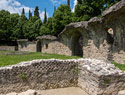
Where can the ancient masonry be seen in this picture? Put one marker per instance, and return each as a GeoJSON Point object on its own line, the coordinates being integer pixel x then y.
{"type": "Point", "coordinates": [96, 77]}
{"type": "Point", "coordinates": [90, 39]}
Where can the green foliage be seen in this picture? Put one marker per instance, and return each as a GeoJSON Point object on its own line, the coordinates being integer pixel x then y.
{"type": "Point", "coordinates": [45, 17]}
{"type": "Point", "coordinates": [30, 15]}
{"type": "Point", "coordinates": [14, 26]}
{"type": "Point", "coordinates": [85, 9]}
{"type": "Point", "coordinates": [23, 11]}
{"type": "Point", "coordinates": [36, 12]}
{"type": "Point", "coordinates": [23, 76]}
{"type": "Point", "coordinates": [61, 18]}
{"type": "Point", "coordinates": [32, 28]}
{"type": "Point", "coordinates": [120, 66]}
{"type": "Point", "coordinates": [44, 30]}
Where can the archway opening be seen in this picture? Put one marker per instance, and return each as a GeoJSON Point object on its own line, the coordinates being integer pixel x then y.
{"type": "Point", "coordinates": [39, 46]}
{"type": "Point", "coordinates": [77, 44]}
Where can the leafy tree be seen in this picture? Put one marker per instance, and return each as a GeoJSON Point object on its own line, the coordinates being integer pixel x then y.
{"type": "Point", "coordinates": [19, 32]}
{"type": "Point", "coordinates": [85, 9]}
{"type": "Point", "coordinates": [4, 25]}
{"type": "Point", "coordinates": [61, 18]}
{"type": "Point", "coordinates": [44, 30]}
{"type": "Point", "coordinates": [45, 17]}
{"type": "Point", "coordinates": [32, 28]}
{"type": "Point", "coordinates": [36, 12]}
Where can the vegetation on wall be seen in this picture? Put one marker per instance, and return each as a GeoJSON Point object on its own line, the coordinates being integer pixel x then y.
{"type": "Point", "coordinates": [15, 26]}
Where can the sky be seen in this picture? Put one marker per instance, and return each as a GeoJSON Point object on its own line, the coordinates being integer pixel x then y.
{"type": "Point", "coordinates": [15, 6]}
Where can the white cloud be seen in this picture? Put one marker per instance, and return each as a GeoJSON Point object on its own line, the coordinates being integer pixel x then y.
{"type": "Point", "coordinates": [56, 2]}
{"type": "Point", "coordinates": [13, 6]}
{"type": "Point", "coordinates": [42, 15]}
{"type": "Point", "coordinates": [75, 3]}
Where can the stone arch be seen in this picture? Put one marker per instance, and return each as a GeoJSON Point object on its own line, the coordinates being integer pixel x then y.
{"type": "Point", "coordinates": [77, 44]}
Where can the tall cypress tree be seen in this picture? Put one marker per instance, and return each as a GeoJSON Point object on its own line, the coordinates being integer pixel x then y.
{"type": "Point", "coordinates": [36, 12]}
{"type": "Point", "coordinates": [45, 16]}
{"type": "Point", "coordinates": [68, 3]}
{"type": "Point", "coordinates": [54, 10]}
{"type": "Point", "coordinates": [30, 14]}
{"type": "Point", "coordinates": [23, 11]}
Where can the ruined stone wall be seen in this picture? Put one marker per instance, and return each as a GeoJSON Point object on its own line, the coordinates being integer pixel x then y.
{"type": "Point", "coordinates": [97, 42]}
{"type": "Point", "coordinates": [27, 46]}
{"type": "Point", "coordinates": [39, 74]}
{"type": "Point", "coordinates": [8, 48]}
{"type": "Point", "coordinates": [55, 47]}
{"type": "Point", "coordinates": [96, 77]}
{"type": "Point", "coordinates": [100, 78]}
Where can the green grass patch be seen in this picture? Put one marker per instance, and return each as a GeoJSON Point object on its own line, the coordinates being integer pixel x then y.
{"type": "Point", "coordinates": [6, 58]}
{"type": "Point", "coordinates": [120, 66]}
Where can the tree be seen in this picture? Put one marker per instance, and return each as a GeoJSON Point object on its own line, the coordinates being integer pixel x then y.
{"type": "Point", "coordinates": [61, 18]}
{"type": "Point", "coordinates": [86, 9]}
{"type": "Point", "coordinates": [36, 12]}
{"type": "Point", "coordinates": [68, 3]}
{"type": "Point", "coordinates": [45, 17]}
{"type": "Point", "coordinates": [30, 15]}
{"type": "Point", "coordinates": [23, 11]}
{"type": "Point", "coordinates": [44, 30]}
{"type": "Point", "coordinates": [32, 28]}
{"type": "Point", "coordinates": [19, 30]}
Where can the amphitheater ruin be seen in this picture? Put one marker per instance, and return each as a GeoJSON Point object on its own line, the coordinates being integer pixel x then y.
{"type": "Point", "coordinates": [99, 41]}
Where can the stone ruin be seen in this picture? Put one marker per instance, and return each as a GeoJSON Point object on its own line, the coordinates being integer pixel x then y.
{"type": "Point", "coordinates": [90, 39]}
{"type": "Point", "coordinates": [96, 77]}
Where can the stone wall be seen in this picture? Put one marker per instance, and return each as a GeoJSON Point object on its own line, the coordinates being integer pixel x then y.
{"type": "Point", "coordinates": [100, 78]}
{"type": "Point", "coordinates": [8, 48]}
{"type": "Point", "coordinates": [38, 74]}
{"type": "Point", "coordinates": [27, 46]}
{"type": "Point", "coordinates": [96, 41]}
{"type": "Point", "coordinates": [96, 77]}
{"type": "Point", "coordinates": [55, 47]}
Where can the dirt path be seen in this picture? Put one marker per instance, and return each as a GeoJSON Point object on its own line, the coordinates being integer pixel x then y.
{"type": "Point", "coordinates": [63, 91]}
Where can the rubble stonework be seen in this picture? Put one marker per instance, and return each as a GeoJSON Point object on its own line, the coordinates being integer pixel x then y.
{"type": "Point", "coordinates": [96, 77]}
{"type": "Point", "coordinates": [100, 78]}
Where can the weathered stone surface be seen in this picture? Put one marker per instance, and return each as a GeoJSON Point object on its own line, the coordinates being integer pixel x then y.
{"type": "Point", "coordinates": [100, 78]}
{"type": "Point", "coordinates": [121, 92]}
{"type": "Point", "coordinates": [29, 92]}
{"type": "Point", "coordinates": [38, 74]}
{"type": "Point", "coordinates": [96, 41]}
{"type": "Point", "coordinates": [13, 93]}
{"type": "Point", "coordinates": [96, 77]}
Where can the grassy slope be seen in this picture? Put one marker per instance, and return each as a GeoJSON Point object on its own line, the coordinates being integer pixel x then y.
{"type": "Point", "coordinates": [14, 59]}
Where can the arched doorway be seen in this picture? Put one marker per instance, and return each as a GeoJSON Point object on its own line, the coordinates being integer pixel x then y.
{"type": "Point", "coordinates": [39, 46]}
{"type": "Point", "coordinates": [77, 44]}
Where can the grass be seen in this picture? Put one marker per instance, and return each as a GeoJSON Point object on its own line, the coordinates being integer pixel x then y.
{"type": "Point", "coordinates": [6, 59]}
{"type": "Point", "coordinates": [120, 66]}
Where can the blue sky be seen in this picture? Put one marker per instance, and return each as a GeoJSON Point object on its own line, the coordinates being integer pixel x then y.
{"type": "Point", "coordinates": [15, 6]}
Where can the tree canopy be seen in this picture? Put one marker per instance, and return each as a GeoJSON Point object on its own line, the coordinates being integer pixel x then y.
{"type": "Point", "coordinates": [15, 26]}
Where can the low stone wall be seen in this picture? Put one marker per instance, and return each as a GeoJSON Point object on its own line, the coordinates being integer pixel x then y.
{"type": "Point", "coordinates": [8, 48]}
{"type": "Point", "coordinates": [39, 74]}
{"type": "Point", "coordinates": [96, 77]}
{"type": "Point", "coordinates": [100, 78]}
{"type": "Point", "coordinates": [55, 47]}
{"type": "Point", "coordinates": [27, 46]}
